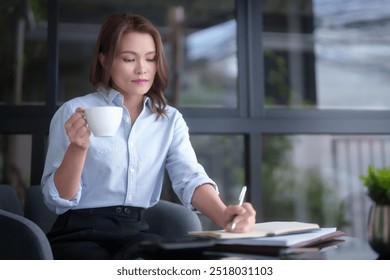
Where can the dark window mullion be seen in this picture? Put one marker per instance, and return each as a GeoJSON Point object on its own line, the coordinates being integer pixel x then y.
{"type": "Point", "coordinates": [37, 158]}
{"type": "Point", "coordinates": [242, 59]}
{"type": "Point", "coordinates": [52, 57]}
{"type": "Point", "coordinates": [39, 138]}
{"type": "Point", "coordinates": [254, 60]}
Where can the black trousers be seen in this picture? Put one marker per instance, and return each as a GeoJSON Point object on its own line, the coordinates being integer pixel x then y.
{"type": "Point", "coordinates": [100, 234]}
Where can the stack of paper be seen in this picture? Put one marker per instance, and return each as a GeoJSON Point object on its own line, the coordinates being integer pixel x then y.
{"type": "Point", "coordinates": [272, 237]}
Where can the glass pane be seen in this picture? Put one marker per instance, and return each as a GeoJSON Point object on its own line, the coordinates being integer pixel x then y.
{"type": "Point", "coordinates": [199, 38]}
{"type": "Point", "coordinates": [316, 178]}
{"type": "Point", "coordinates": [222, 157]}
{"type": "Point", "coordinates": [327, 54]}
{"type": "Point", "coordinates": [23, 28]}
{"type": "Point", "coordinates": [15, 162]}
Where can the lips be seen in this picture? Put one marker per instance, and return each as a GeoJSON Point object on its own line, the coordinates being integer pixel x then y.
{"type": "Point", "coordinates": [140, 81]}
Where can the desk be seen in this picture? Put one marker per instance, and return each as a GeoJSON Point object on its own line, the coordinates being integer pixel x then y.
{"type": "Point", "coordinates": [348, 249]}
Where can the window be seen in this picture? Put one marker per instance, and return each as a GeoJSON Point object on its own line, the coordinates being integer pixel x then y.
{"type": "Point", "coordinates": [199, 38]}
{"type": "Point", "coordinates": [326, 54]}
{"type": "Point", "coordinates": [316, 178]}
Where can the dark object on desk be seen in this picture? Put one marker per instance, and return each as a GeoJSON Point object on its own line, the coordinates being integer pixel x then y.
{"type": "Point", "coordinates": [190, 248]}
{"type": "Point", "coordinates": [343, 248]}
{"type": "Point", "coordinates": [379, 230]}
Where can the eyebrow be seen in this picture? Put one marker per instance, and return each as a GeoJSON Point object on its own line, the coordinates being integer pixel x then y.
{"type": "Point", "coordinates": [131, 52]}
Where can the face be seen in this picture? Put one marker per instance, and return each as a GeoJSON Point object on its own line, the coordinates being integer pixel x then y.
{"type": "Point", "coordinates": [135, 66]}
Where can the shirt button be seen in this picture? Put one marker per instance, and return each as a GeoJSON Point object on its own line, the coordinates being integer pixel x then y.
{"type": "Point", "coordinates": [129, 197]}
{"type": "Point", "coordinates": [132, 170]}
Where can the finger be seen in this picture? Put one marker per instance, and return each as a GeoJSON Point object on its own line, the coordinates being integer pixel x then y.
{"type": "Point", "coordinates": [243, 219]}
{"type": "Point", "coordinates": [80, 109]}
{"type": "Point", "coordinates": [79, 121]}
{"type": "Point", "coordinates": [76, 121]}
{"type": "Point", "coordinates": [249, 218]}
{"type": "Point", "coordinates": [82, 130]}
{"type": "Point", "coordinates": [235, 219]}
{"type": "Point", "coordinates": [77, 130]}
{"type": "Point", "coordinates": [80, 137]}
{"type": "Point", "coordinates": [72, 119]}
{"type": "Point", "coordinates": [80, 113]}
{"type": "Point", "coordinates": [249, 209]}
{"type": "Point", "coordinates": [235, 226]}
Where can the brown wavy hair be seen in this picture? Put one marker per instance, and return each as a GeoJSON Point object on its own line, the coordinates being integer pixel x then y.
{"type": "Point", "coordinates": [112, 30]}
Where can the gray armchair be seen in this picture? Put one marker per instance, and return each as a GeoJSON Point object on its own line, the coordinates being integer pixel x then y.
{"type": "Point", "coordinates": [21, 239]}
{"type": "Point", "coordinates": [166, 218]}
{"type": "Point", "coordinates": [9, 200]}
{"type": "Point", "coordinates": [171, 220]}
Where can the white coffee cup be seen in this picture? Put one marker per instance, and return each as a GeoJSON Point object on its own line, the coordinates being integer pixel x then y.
{"type": "Point", "coordinates": [104, 120]}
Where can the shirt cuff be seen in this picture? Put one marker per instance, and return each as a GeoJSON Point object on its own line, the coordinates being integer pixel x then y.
{"type": "Point", "coordinates": [189, 191]}
{"type": "Point", "coordinates": [53, 200]}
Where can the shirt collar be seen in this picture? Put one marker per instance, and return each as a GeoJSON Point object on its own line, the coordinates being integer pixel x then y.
{"type": "Point", "coordinates": [113, 96]}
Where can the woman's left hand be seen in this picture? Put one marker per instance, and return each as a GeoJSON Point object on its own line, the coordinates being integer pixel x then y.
{"type": "Point", "coordinates": [240, 218]}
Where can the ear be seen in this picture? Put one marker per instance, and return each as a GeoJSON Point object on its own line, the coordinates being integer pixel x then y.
{"type": "Point", "coordinates": [101, 59]}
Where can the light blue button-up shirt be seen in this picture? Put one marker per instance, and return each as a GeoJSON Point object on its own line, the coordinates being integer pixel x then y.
{"type": "Point", "coordinates": [128, 168]}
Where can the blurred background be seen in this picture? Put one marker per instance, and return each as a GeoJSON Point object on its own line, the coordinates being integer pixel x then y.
{"type": "Point", "coordinates": [288, 97]}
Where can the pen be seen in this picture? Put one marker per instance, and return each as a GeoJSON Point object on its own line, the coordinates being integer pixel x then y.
{"type": "Point", "coordinates": [240, 202]}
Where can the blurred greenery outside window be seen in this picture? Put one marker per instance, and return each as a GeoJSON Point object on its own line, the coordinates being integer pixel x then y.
{"type": "Point", "coordinates": [23, 39]}
{"type": "Point", "coordinates": [222, 157]}
{"type": "Point", "coordinates": [315, 178]}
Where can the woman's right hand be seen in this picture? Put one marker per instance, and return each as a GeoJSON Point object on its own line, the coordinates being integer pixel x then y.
{"type": "Point", "coordinates": [77, 129]}
{"type": "Point", "coordinates": [68, 175]}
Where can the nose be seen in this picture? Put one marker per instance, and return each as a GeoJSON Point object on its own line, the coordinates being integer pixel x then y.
{"type": "Point", "coordinates": [140, 69]}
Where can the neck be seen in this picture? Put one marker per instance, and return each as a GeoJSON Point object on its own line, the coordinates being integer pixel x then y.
{"type": "Point", "coordinates": [134, 108]}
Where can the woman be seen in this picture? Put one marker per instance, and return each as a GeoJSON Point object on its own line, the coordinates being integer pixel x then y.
{"type": "Point", "coordinates": [87, 179]}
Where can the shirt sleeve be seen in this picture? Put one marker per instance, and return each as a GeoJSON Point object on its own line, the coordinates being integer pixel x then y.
{"type": "Point", "coordinates": [184, 170]}
{"type": "Point", "coordinates": [58, 143]}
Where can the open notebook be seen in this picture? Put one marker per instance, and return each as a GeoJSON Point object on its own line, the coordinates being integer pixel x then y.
{"type": "Point", "coordinates": [261, 230]}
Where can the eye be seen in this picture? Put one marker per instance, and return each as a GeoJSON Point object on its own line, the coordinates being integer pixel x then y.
{"type": "Point", "coordinates": [128, 59]}
{"type": "Point", "coordinates": [151, 59]}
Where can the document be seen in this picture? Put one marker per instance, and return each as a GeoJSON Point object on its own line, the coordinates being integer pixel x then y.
{"type": "Point", "coordinates": [261, 230]}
